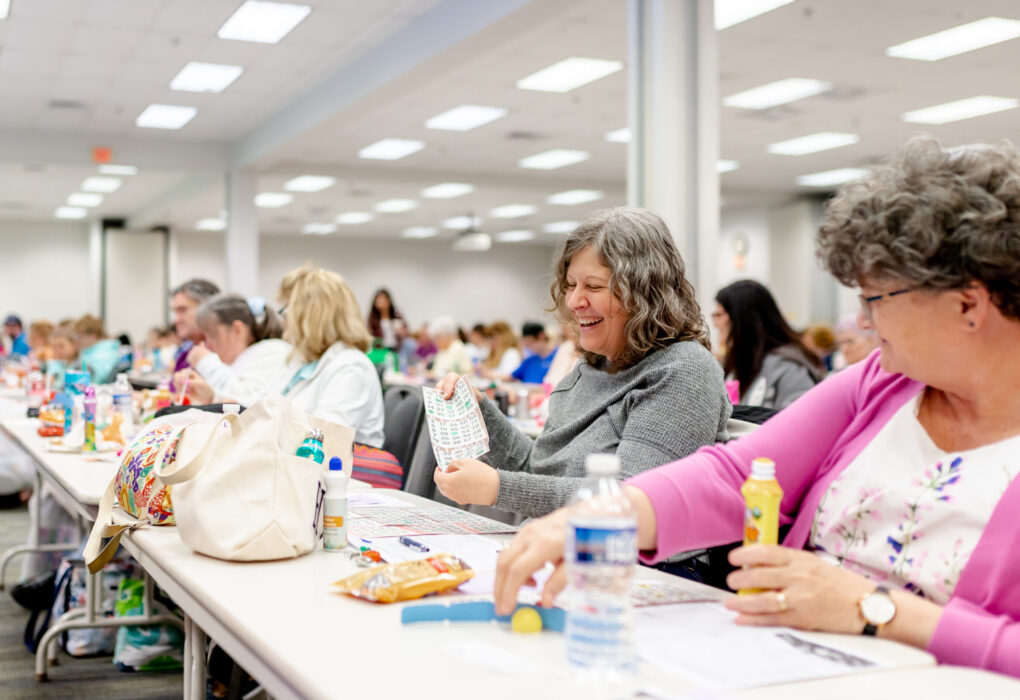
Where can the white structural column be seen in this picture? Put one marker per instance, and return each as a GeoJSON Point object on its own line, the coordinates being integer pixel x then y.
{"type": "Point", "coordinates": [674, 122]}
{"type": "Point", "coordinates": [242, 239]}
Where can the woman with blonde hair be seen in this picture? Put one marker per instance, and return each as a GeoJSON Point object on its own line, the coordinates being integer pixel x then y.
{"type": "Point", "coordinates": [504, 355]}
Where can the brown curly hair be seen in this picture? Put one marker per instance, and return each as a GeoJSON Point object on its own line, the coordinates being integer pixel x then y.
{"type": "Point", "coordinates": [934, 218]}
{"type": "Point", "coordinates": [647, 275]}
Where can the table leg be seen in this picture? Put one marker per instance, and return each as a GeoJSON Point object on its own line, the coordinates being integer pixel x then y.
{"type": "Point", "coordinates": [198, 645]}
{"type": "Point", "coordinates": [186, 654]}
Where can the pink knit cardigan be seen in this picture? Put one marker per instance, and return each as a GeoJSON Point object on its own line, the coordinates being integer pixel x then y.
{"type": "Point", "coordinates": [698, 504]}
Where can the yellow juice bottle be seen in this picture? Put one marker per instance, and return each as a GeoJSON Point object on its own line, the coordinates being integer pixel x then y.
{"type": "Point", "coordinates": [762, 496]}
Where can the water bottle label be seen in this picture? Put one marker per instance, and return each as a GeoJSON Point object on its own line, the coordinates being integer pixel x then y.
{"type": "Point", "coordinates": [605, 545]}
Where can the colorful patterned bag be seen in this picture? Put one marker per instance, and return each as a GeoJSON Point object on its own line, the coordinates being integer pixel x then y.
{"type": "Point", "coordinates": [139, 491]}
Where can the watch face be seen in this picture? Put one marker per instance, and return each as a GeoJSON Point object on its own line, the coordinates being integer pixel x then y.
{"type": "Point", "coordinates": [878, 608]}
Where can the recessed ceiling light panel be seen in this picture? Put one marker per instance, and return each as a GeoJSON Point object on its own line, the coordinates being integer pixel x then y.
{"type": "Point", "coordinates": [157, 116]}
{"type": "Point", "coordinates": [465, 118]}
{"type": "Point", "coordinates": [106, 185]}
{"type": "Point", "coordinates": [205, 77]}
{"type": "Point", "coordinates": [812, 143]}
{"type": "Point", "coordinates": [211, 224]}
{"type": "Point", "coordinates": [309, 183]}
{"type": "Point", "coordinates": [569, 74]}
{"type": "Point", "coordinates": [730, 12]}
{"type": "Point", "coordinates": [551, 160]}
{"type": "Point", "coordinates": [420, 232]}
{"type": "Point", "coordinates": [391, 149]}
{"type": "Point", "coordinates": [70, 213]}
{"type": "Point", "coordinates": [108, 169]}
{"type": "Point", "coordinates": [777, 93]}
{"type": "Point", "coordinates": [960, 109]}
{"type": "Point", "coordinates": [515, 236]}
{"type": "Point", "coordinates": [726, 166]}
{"type": "Point", "coordinates": [262, 21]}
{"type": "Point", "coordinates": [85, 199]}
{"type": "Point", "coordinates": [961, 39]}
{"type": "Point", "coordinates": [318, 229]}
{"type": "Point", "coordinates": [561, 226]}
{"type": "Point", "coordinates": [572, 197]}
{"type": "Point", "coordinates": [355, 217]}
{"type": "Point", "coordinates": [512, 211]}
{"type": "Point", "coordinates": [272, 200]}
{"type": "Point", "coordinates": [831, 178]}
{"type": "Point", "coordinates": [618, 135]}
{"type": "Point", "coordinates": [462, 222]}
{"type": "Point", "coordinates": [447, 190]}
{"type": "Point", "coordinates": [395, 206]}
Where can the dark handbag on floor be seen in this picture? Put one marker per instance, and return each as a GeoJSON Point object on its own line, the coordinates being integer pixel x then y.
{"type": "Point", "coordinates": [35, 593]}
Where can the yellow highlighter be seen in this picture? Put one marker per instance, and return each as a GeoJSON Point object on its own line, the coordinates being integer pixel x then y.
{"type": "Point", "coordinates": [762, 496]}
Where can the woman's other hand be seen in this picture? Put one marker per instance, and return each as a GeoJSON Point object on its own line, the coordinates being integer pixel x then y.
{"type": "Point", "coordinates": [468, 481]}
{"type": "Point", "coordinates": [540, 541]}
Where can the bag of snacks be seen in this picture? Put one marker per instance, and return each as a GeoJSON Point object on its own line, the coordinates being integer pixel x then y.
{"type": "Point", "coordinates": [407, 580]}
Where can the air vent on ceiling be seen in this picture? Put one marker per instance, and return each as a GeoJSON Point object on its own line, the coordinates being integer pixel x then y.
{"type": "Point", "coordinates": [522, 136]}
{"type": "Point", "coordinates": [66, 104]}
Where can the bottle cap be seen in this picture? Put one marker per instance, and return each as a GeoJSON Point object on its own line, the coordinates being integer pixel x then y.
{"type": "Point", "coordinates": [602, 465]}
{"type": "Point", "coordinates": [122, 377]}
{"type": "Point", "coordinates": [336, 464]}
{"type": "Point", "coordinates": [763, 469]}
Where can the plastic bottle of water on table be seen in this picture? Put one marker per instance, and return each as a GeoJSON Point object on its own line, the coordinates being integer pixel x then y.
{"type": "Point", "coordinates": [601, 558]}
{"type": "Point", "coordinates": [123, 404]}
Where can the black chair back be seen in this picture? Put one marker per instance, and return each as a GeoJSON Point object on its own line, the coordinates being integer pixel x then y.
{"type": "Point", "coordinates": [418, 473]}
{"type": "Point", "coordinates": [404, 412]}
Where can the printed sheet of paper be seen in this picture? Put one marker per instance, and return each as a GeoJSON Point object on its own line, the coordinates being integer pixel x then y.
{"type": "Point", "coordinates": [382, 521]}
{"type": "Point", "coordinates": [701, 641]}
{"type": "Point", "coordinates": [375, 498]}
{"type": "Point", "coordinates": [476, 551]}
{"type": "Point", "coordinates": [456, 426]}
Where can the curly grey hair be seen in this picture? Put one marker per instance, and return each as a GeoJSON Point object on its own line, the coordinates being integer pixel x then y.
{"type": "Point", "coordinates": [934, 218]}
{"type": "Point", "coordinates": [646, 275]}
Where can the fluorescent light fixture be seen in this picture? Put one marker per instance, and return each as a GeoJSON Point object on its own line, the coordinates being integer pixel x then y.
{"type": "Point", "coordinates": [271, 200]}
{"type": "Point", "coordinates": [556, 158]}
{"type": "Point", "coordinates": [85, 199]}
{"type": "Point", "coordinates": [211, 224]}
{"type": "Point", "coordinates": [5, 7]}
{"type": "Point", "coordinates": [309, 183]}
{"type": "Point", "coordinates": [561, 226]}
{"type": "Point", "coordinates": [830, 178]}
{"type": "Point", "coordinates": [108, 169]}
{"type": "Point", "coordinates": [952, 42]}
{"type": "Point", "coordinates": [355, 217]}
{"type": "Point", "coordinates": [319, 229]}
{"type": "Point", "coordinates": [205, 77]}
{"type": "Point", "coordinates": [568, 74]}
{"type": "Point", "coordinates": [472, 242]}
{"type": "Point", "coordinates": [960, 109]}
{"type": "Point", "coordinates": [777, 93]}
{"type": "Point", "coordinates": [263, 22]}
{"type": "Point", "coordinates": [512, 211]}
{"type": "Point", "coordinates": [420, 232]}
{"type": "Point", "coordinates": [157, 116]}
{"type": "Point", "coordinates": [571, 197]}
{"type": "Point", "coordinates": [618, 135]}
{"type": "Point", "coordinates": [465, 118]}
{"type": "Point", "coordinates": [514, 236]}
{"type": "Point", "coordinates": [447, 190]}
{"type": "Point", "coordinates": [730, 12]}
{"type": "Point", "coordinates": [70, 213]}
{"type": "Point", "coordinates": [391, 149]}
{"type": "Point", "coordinates": [395, 206]}
{"type": "Point", "coordinates": [106, 185]}
{"type": "Point", "coordinates": [812, 143]}
{"type": "Point", "coordinates": [726, 166]}
{"type": "Point", "coordinates": [462, 222]}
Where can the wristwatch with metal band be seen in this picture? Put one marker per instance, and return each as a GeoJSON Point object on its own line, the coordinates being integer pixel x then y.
{"type": "Point", "coordinates": [878, 609]}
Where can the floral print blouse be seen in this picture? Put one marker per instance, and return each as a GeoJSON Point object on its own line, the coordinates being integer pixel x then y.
{"type": "Point", "coordinates": [908, 514]}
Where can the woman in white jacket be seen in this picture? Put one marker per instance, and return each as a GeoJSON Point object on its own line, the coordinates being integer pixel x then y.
{"type": "Point", "coordinates": [242, 356]}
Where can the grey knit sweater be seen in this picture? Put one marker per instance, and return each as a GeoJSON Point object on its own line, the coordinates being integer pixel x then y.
{"type": "Point", "coordinates": [663, 408]}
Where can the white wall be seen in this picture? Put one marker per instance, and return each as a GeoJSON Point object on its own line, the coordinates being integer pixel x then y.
{"type": "Point", "coordinates": [746, 229]}
{"type": "Point", "coordinates": [426, 278]}
{"type": "Point", "coordinates": [46, 271]}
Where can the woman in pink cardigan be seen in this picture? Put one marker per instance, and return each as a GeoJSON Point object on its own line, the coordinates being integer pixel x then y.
{"type": "Point", "coordinates": [898, 473]}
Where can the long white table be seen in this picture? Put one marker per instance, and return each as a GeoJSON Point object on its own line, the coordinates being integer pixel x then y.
{"type": "Point", "coordinates": [282, 622]}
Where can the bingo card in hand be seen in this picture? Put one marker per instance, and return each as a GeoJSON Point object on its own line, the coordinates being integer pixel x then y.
{"type": "Point", "coordinates": [456, 426]}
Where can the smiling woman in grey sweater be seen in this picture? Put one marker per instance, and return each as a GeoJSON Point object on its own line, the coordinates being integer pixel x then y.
{"type": "Point", "coordinates": [648, 389]}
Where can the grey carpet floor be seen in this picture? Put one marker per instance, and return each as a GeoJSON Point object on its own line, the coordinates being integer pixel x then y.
{"type": "Point", "coordinates": [81, 679]}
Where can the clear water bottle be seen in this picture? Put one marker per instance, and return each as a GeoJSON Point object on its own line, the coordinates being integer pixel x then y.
{"type": "Point", "coordinates": [601, 559]}
{"type": "Point", "coordinates": [123, 404]}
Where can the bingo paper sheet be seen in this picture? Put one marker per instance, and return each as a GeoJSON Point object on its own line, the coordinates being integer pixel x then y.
{"type": "Point", "coordinates": [418, 520]}
{"type": "Point", "coordinates": [456, 426]}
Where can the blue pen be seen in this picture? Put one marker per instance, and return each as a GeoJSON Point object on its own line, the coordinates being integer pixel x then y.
{"type": "Point", "coordinates": [413, 544]}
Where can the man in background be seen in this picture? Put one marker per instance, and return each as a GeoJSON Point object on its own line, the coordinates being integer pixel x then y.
{"type": "Point", "coordinates": [19, 341]}
{"type": "Point", "coordinates": [184, 301]}
{"type": "Point", "coordinates": [541, 353]}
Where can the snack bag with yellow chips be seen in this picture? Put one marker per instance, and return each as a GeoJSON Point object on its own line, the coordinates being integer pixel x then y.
{"type": "Point", "coordinates": [407, 580]}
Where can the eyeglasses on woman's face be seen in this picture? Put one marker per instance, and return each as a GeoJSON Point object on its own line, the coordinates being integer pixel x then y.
{"type": "Point", "coordinates": [867, 301]}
